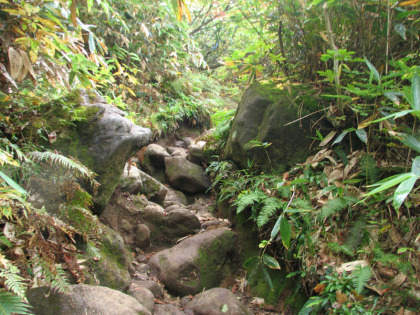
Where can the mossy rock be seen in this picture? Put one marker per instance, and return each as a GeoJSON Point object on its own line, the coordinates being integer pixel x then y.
{"type": "Point", "coordinates": [200, 262]}
{"type": "Point", "coordinates": [111, 270]}
{"type": "Point", "coordinates": [95, 133]}
{"type": "Point", "coordinates": [262, 132]}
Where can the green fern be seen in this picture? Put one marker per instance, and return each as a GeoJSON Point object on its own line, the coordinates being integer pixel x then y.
{"type": "Point", "coordinates": [66, 162]}
{"type": "Point", "coordinates": [335, 205]}
{"type": "Point", "coordinates": [356, 235]}
{"type": "Point", "coordinates": [13, 281]}
{"type": "Point", "coordinates": [271, 205]}
{"type": "Point", "coordinates": [249, 198]}
{"type": "Point", "coordinates": [369, 169]}
{"type": "Point", "coordinates": [12, 304]}
{"type": "Point", "coordinates": [343, 249]}
{"type": "Point", "coordinates": [54, 275]}
{"type": "Point", "coordinates": [361, 277]}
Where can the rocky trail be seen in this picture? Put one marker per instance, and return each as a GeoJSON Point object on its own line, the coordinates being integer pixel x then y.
{"type": "Point", "coordinates": [190, 263]}
{"type": "Point", "coordinates": [161, 239]}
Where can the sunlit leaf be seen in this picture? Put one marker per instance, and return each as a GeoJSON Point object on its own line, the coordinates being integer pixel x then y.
{"type": "Point", "coordinates": [362, 135]}
{"type": "Point", "coordinates": [340, 137]}
{"type": "Point", "coordinates": [91, 41]}
{"type": "Point", "coordinates": [394, 97]}
{"type": "Point", "coordinates": [400, 29]}
{"type": "Point", "coordinates": [373, 70]}
{"type": "Point", "coordinates": [388, 183]}
{"type": "Point", "coordinates": [402, 191]}
{"type": "Point", "coordinates": [415, 168]}
{"type": "Point", "coordinates": [270, 262]}
{"type": "Point", "coordinates": [276, 228]}
{"type": "Point", "coordinates": [12, 183]}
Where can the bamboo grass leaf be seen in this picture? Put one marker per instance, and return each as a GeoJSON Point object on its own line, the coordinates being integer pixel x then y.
{"type": "Point", "coordinates": [402, 192]}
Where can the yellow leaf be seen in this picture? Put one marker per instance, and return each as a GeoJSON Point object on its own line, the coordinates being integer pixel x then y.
{"type": "Point", "coordinates": [131, 91]}
{"type": "Point", "coordinates": [410, 2]}
{"type": "Point", "coordinates": [4, 1]}
{"type": "Point", "coordinates": [367, 121]}
{"type": "Point", "coordinates": [73, 15]}
{"type": "Point", "coordinates": [33, 56]}
{"type": "Point", "coordinates": [48, 23]}
{"type": "Point", "coordinates": [15, 12]}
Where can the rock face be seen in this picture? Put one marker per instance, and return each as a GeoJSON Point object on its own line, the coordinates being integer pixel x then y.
{"type": "Point", "coordinates": [217, 301]}
{"type": "Point", "coordinates": [100, 137]}
{"type": "Point", "coordinates": [186, 176]}
{"type": "Point", "coordinates": [84, 299]}
{"type": "Point", "coordinates": [198, 262]}
{"type": "Point", "coordinates": [261, 116]}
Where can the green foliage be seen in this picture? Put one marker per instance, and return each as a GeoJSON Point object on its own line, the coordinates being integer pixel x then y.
{"type": "Point", "coordinates": [68, 163]}
{"type": "Point", "coordinates": [12, 304]}
{"type": "Point", "coordinates": [335, 205]}
{"type": "Point", "coordinates": [361, 277]}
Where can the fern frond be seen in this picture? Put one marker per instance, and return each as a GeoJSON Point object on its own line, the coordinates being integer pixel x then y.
{"type": "Point", "coordinates": [356, 235]}
{"type": "Point", "coordinates": [335, 205]}
{"type": "Point", "coordinates": [13, 281]}
{"type": "Point", "coordinates": [341, 249]}
{"type": "Point", "coordinates": [361, 277]}
{"type": "Point", "coordinates": [12, 304]}
{"type": "Point", "coordinates": [248, 198]}
{"type": "Point", "coordinates": [66, 162]}
{"type": "Point", "coordinates": [54, 275]}
{"type": "Point", "coordinates": [271, 205]}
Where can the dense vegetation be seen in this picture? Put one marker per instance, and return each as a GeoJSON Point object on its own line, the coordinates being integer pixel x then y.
{"type": "Point", "coordinates": [172, 63]}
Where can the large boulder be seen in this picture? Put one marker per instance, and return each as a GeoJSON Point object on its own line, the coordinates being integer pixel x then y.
{"type": "Point", "coordinates": [186, 176]}
{"type": "Point", "coordinates": [154, 157]}
{"type": "Point", "coordinates": [98, 134]}
{"type": "Point", "coordinates": [83, 299]}
{"type": "Point", "coordinates": [201, 261]}
{"type": "Point", "coordinates": [217, 301]}
{"type": "Point", "coordinates": [111, 270]}
{"type": "Point", "coordinates": [134, 181]}
{"type": "Point", "coordinates": [261, 133]}
{"type": "Point", "coordinates": [123, 214]}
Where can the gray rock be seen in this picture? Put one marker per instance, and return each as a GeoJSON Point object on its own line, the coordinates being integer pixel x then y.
{"type": "Point", "coordinates": [180, 223]}
{"type": "Point", "coordinates": [141, 236]}
{"type": "Point", "coordinates": [179, 152]}
{"type": "Point", "coordinates": [196, 154]}
{"type": "Point", "coordinates": [143, 295]}
{"type": "Point", "coordinates": [262, 116]}
{"type": "Point", "coordinates": [187, 141]}
{"type": "Point", "coordinates": [198, 262]}
{"type": "Point", "coordinates": [174, 197]}
{"type": "Point", "coordinates": [84, 299]}
{"type": "Point", "coordinates": [103, 139]}
{"type": "Point", "coordinates": [186, 176]}
{"type": "Point", "coordinates": [123, 213]}
{"type": "Point", "coordinates": [152, 286]}
{"type": "Point", "coordinates": [135, 181]}
{"type": "Point", "coordinates": [168, 309]}
{"type": "Point", "coordinates": [154, 158]}
{"type": "Point", "coordinates": [173, 207]}
{"type": "Point", "coordinates": [217, 301]}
